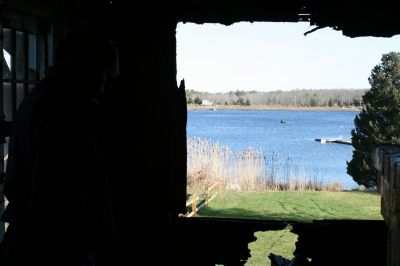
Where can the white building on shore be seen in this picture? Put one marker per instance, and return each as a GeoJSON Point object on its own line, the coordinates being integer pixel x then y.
{"type": "Point", "coordinates": [206, 103]}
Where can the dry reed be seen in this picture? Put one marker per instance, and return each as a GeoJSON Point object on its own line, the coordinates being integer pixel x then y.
{"type": "Point", "coordinates": [245, 170]}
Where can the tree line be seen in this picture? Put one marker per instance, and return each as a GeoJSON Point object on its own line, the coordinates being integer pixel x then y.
{"type": "Point", "coordinates": [301, 98]}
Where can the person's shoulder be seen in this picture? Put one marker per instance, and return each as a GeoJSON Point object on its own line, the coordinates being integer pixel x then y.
{"type": "Point", "coordinates": [50, 84]}
{"type": "Point", "coordinates": [40, 93]}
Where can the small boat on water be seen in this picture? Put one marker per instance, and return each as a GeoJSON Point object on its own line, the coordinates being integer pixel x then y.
{"type": "Point", "coordinates": [283, 121]}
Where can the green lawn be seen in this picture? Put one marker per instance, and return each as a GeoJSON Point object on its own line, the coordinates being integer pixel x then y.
{"type": "Point", "coordinates": [290, 206]}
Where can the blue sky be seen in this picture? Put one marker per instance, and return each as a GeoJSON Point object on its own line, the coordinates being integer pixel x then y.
{"type": "Point", "coordinates": [275, 56]}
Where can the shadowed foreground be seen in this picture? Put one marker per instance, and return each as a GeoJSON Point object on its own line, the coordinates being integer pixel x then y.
{"type": "Point", "coordinates": [290, 206]}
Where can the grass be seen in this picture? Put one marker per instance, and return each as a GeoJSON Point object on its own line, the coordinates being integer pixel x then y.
{"type": "Point", "coordinates": [291, 206]}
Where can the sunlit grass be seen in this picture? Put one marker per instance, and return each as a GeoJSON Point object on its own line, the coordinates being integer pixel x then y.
{"type": "Point", "coordinates": [303, 206]}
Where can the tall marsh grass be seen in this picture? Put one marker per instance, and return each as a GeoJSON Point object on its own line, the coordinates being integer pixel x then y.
{"type": "Point", "coordinates": [245, 170]}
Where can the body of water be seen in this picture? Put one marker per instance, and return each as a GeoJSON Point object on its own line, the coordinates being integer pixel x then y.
{"type": "Point", "coordinates": [292, 142]}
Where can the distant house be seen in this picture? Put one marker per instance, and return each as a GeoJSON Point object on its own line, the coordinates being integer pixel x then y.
{"type": "Point", "coordinates": [206, 103]}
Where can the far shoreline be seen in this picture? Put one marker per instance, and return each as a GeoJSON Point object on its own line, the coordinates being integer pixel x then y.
{"type": "Point", "coordinates": [269, 107]}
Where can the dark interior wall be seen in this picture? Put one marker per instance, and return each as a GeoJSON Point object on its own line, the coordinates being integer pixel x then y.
{"type": "Point", "coordinates": [141, 114]}
{"type": "Point", "coordinates": [354, 18]}
{"type": "Point", "coordinates": [40, 8]}
{"type": "Point", "coordinates": [141, 106]}
{"type": "Point", "coordinates": [21, 14]}
{"type": "Point", "coordinates": [141, 109]}
{"type": "Point", "coordinates": [229, 12]}
{"type": "Point", "coordinates": [142, 129]}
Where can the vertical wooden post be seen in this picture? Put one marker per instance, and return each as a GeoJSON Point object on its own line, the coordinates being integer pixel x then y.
{"type": "Point", "coordinates": [206, 198]}
{"type": "Point", "coordinates": [13, 53]}
{"type": "Point", "coordinates": [194, 206]}
{"type": "Point", "coordinates": [41, 51]}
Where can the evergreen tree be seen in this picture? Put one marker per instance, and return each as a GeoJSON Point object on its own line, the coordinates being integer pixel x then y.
{"type": "Point", "coordinates": [241, 101]}
{"type": "Point", "coordinates": [313, 102]}
{"type": "Point", "coordinates": [379, 121]}
{"type": "Point", "coordinates": [198, 100]}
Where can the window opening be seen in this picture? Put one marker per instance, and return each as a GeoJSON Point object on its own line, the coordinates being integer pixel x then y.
{"type": "Point", "coordinates": [24, 58]}
{"type": "Point", "coordinates": [249, 150]}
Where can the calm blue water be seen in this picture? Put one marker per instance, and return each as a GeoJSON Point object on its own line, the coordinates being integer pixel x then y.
{"type": "Point", "coordinates": [292, 141]}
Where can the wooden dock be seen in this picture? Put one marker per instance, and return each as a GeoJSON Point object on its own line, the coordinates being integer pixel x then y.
{"type": "Point", "coordinates": [334, 140]}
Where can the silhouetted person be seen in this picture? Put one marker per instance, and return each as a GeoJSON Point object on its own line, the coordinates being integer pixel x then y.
{"type": "Point", "coordinates": [59, 210]}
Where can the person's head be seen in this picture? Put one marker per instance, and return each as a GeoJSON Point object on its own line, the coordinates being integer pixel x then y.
{"type": "Point", "coordinates": [88, 59]}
